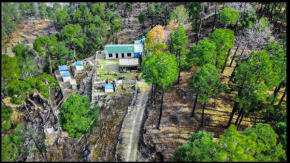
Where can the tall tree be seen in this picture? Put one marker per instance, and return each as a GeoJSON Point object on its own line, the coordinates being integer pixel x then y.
{"type": "Point", "coordinates": [42, 45]}
{"type": "Point", "coordinates": [115, 22]}
{"type": "Point", "coordinates": [70, 33]}
{"type": "Point", "coordinates": [178, 41]}
{"type": "Point", "coordinates": [206, 84]}
{"type": "Point", "coordinates": [161, 70]}
{"type": "Point", "coordinates": [250, 78]}
{"type": "Point", "coordinates": [224, 40]}
{"type": "Point", "coordinates": [151, 12]}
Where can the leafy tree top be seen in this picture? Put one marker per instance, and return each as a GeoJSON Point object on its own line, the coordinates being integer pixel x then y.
{"type": "Point", "coordinates": [228, 16]}
{"type": "Point", "coordinates": [253, 144]}
{"type": "Point", "coordinates": [76, 115]}
{"type": "Point", "coordinates": [161, 69]}
{"type": "Point", "coordinates": [203, 53]}
{"type": "Point", "coordinates": [179, 39]}
{"type": "Point", "coordinates": [206, 82]}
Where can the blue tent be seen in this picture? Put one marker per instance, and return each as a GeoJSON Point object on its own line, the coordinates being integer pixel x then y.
{"type": "Point", "coordinates": [109, 86]}
{"type": "Point", "coordinates": [79, 63]}
{"type": "Point", "coordinates": [137, 55]}
{"type": "Point", "coordinates": [65, 74]}
{"type": "Point", "coordinates": [62, 68]}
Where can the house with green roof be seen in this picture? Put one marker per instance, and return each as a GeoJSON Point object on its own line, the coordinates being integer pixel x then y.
{"type": "Point", "coordinates": [125, 51]}
{"type": "Point", "coordinates": [119, 51]}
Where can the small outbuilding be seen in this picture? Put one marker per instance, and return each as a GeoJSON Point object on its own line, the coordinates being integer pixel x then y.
{"type": "Point", "coordinates": [109, 88]}
{"type": "Point", "coordinates": [79, 65]}
{"type": "Point", "coordinates": [62, 68]}
{"type": "Point", "coordinates": [65, 76]}
{"type": "Point", "coordinates": [128, 64]}
{"type": "Point", "coordinates": [73, 83]}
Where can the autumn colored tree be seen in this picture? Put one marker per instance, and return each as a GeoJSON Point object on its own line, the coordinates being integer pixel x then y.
{"type": "Point", "coordinates": [155, 40]}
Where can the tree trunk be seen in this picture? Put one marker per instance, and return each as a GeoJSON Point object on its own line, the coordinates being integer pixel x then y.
{"type": "Point", "coordinates": [194, 105]}
{"type": "Point", "coordinates": [152, 20]}
{"type": "Point", "coordinates": [225, 63]}
{"type": "Point", "coordinates": [236, 26]}
{"type": "Point", "coordinates": [161, 105]}
{"type": "Point", "coordinates": [263, 11]}
{"type": "Point", "coordinates": [179, 69]}
{"type": "Point", "coordinates": [276, 91]}
{"type": "Point", "coordinates": [238, 127]}
{"type": "Point", "coordinates": [277, 34]}
{"type": "Point", "coordinates": [197, 35]}
{"type": "Point", "coordinates": [214, 17]}
{"type": "Point", "coordinates": [239, 116]}
{"type": "Point", "coordinates": [232, 114]}
{"type": "Point", "coordinates": [202, 115]}
{"type": "Point", "coordinates": [234, 56]}
{"type": "Point", "coordinates": [282, 97]}
{"type": "Point", "coordinates": [152, 91]}
{"type": "Point", "coordinates": [30, 117]}
{"type": "Point", "coordinates": [271, 13]}
{"type": "Point", "coordinates": [43, 155]}
{"type": "Point", "coordinates": [50, 64]}
{"type": "Point", "coordinates": [261, 8]}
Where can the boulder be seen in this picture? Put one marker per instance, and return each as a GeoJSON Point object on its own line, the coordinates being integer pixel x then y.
{"type": "Point", "coordinates": [100, 104]}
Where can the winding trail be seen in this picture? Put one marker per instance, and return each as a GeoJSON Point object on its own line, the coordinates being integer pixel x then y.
{"type": "Point", "coordinates": [130, 132]}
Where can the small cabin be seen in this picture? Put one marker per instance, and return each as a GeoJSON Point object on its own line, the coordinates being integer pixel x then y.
{"type": "Point", "coordinates": [65, 76]}
{"type": "Point", "coordinates": [79, 65]}
{"type": "Point", "coordinates": [62, 68]}
{"type": "Point", "coordinates": [109, 88]}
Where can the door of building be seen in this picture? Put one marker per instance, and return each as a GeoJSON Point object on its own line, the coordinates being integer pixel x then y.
{"type": "Point", "coordinates": [122, 55]}
{"type": "Point", "coordinates": [116, 55]}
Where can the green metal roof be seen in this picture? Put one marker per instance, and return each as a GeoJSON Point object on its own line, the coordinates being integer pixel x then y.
{"type": "Point", "coordinates": [127, 48]}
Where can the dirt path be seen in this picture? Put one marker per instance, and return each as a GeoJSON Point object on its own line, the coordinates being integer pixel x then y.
{"type": "Point", "coordinates": [127, 149]}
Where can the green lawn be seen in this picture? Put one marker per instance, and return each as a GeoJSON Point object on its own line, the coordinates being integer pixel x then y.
{"type": "Point", "coordinates": [113, 66]}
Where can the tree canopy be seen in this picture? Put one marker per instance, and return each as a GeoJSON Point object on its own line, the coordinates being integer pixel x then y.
{"type": "Point", "coordinates": [253, 144]}
{"type": "Point", "coordinates": [76, 115]}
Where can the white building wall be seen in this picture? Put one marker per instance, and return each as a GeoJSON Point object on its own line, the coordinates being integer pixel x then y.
{"type": "Point", "coordinates": [109, 90]}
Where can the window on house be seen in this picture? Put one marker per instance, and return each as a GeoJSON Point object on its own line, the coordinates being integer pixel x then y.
{"type": "Point", "coordinates": [129, 54]}
{"type": "Point", "coordinates": [110, 55]}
